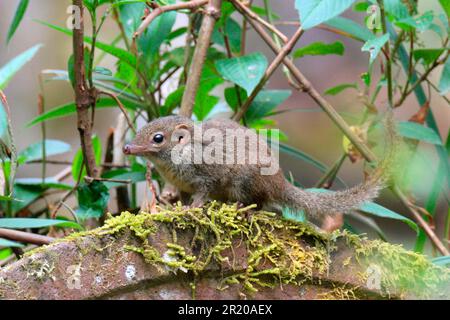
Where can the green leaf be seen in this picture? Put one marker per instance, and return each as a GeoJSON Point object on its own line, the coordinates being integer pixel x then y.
{"type": "Point", "coordinates": [428, 55]}
{"type": "Point", "coordinates": [4, 134]}
{"type": "Point", "coordinates": [157, 32]}
{"type": "Point", "coordinates": [444, 82]}
{"type": "Point", "coordinates": [246, 71]}
{"type": "Point", "coordinates": [32, 223]}
{"type": "Point", "coordinates": [119, 53]}
{"type": "Point", "coordinates": [373, 46]}
{"type": "Point", "coordinates": [380, 211]}
{"type": "Point", "coordinates": [355, 30]}
{"type": "Point", "coordinates": [70, 108]}
{"type": "Point", "coordinates": [13, 66]}
{"type": "Point", "coordinates": [320, 48]}
{"type": "Point", "coordinates": [92, 200]}
{"type": "Point", "coordinates": [78, 159]}
{"type": "Point", "coordinates": [34, 151]}
{"type": "Point", "coordinates": [361, 6]}
{"type": "Point", "coordinates": [307, 158]}
{"type": "Point", "coordinates": [49, 182]}
{"type": "Point", "coordinates": [265, 102]}
{"type": "Point", "coordinates": [20, 12]}
{"type": "Point", "coordinates": [70, 66]}
{"type": "Point", "coordinates": [262, 12]}
{"type": "Point", "coordinates": [396, 8]}
{"type": "Point", "coordinates": [446, 6]}
{"type": "Point", "coordinates": [262, 106]}
{"type": "Point", "coordinates": [26, 194]}
{"type": "Point", "coordinates": [233, 32]}
{"type": "Point", "coordinates": [5, 253]}
{"type": "Point", "coordinates": [416, 131]}
{"type": "Point", "coordinates": [442, 261]}
{"type": "Point", "coordinates": [103, 71]}
{"type": "Point", "coordinates": [204, 102]}
{"type": "Point", "coordinates": [10, 244]}
{"type": "Point", "coordinates": [315, 12]}
{"type": "Point", "coordinates": [123, 174]}
{"type": "Point", "coordinates": [421, 23]}
{"type": "Point", "coordinates": [422, 99]}
{"type": "Point", "coordinates": [339, 88]}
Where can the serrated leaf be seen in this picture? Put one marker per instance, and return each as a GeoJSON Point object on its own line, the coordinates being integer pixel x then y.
{"type": "Point", "coordinates": [340, 88]}
{"type": "Point", "coordinates": [320, 48]}
{"type": "Point", "coordinates": [416, 131]}
{"type": "Point", "coordinates": [315, 12]}
{"type": "Point", "coordinates": [14, 65]}
{"type": "Point", "coordinates": [246, 71]}
{"type": "Point", "coordinates": [373, 46]}
{"type": "Point", "coordinates": [32, 223]}
{"type": "Point", "coordinates": [20, 12]}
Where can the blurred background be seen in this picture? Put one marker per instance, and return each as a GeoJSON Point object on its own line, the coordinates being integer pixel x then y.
{"type": "Point", "coordinates": [309, 131]}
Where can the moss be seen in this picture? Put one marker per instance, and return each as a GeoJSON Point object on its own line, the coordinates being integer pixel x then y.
{"type": "Point", "coordinates": [340, 293]}
{"type": "Point", "coordinates": [400, 272]}
{"type": "Point", "coordinates": [41, 267]}
{"type": "Point", "coordinates": [278, 251]}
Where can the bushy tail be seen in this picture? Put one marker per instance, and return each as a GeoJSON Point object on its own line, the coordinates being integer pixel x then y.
{"type": "Point", "coordinates": [329, 203]}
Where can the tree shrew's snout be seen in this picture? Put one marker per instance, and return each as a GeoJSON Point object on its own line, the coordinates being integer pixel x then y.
{"type": "Point", "coordinates": [134, 150]}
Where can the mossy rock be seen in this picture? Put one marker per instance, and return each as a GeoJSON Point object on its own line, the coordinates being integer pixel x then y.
{"type": "Point", "coordinates": [250, 252]}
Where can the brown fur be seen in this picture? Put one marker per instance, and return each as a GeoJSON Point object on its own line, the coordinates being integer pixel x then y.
{"type": "Point", "coordinates": [242, 183]}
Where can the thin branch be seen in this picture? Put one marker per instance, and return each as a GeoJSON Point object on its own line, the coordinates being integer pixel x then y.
{"type": "Point", "coordinates": [422, 78]}
{"type": "Point", "coordinates": [249, 13]}
{"type": "Point", "coordinates": [387, 49]}
{"type": "Point", "coordinates": [26, 237]}
{"type": "Point", "coordinates": [160, 10]}
{"type": "Point", "coordinates": [282, 54]}
{"type": "Point", "coordinates": [121, 107]}
{"type": "Point", "coordinates": [84, 97]}
{"type": "Point", "coordinates": [212, 13]}
{"type": "Point", "coordinates": [90, 179]}
{"type": "Point", "coordinates": [418, 217]}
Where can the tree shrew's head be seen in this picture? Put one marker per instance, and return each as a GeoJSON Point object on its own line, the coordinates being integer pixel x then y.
{"type": "Point", "coordinates": [160, 135]}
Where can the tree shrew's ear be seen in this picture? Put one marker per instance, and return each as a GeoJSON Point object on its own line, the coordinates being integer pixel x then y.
{"type": "Point", "coordinates": [181, 134]}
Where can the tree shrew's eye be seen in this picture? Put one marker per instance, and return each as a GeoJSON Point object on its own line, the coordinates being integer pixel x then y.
{"type": "Point", "coordinates": [158, 138]}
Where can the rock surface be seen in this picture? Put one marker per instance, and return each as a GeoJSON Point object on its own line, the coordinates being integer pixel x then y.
{"type": "Point", "coordinates": [182, 258]}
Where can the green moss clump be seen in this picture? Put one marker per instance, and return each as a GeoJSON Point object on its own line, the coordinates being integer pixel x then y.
{"type": "Point", "coordinates": [278, 251]}
{"type": "Point", "coordinates": [402, 273]}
